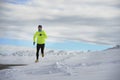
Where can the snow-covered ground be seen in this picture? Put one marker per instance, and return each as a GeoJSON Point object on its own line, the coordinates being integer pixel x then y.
{"type": "Point", "coordinates": [60, 65]}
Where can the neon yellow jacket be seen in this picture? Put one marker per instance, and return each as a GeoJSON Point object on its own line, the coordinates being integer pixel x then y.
{"type": "Point", "coordinates": [40, 37]}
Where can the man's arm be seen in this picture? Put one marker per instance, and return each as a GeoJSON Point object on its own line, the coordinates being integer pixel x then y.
{"type": "Point", "coordinates": [45, 35]}
{"type": "Point", "coordinates": [34, 37]}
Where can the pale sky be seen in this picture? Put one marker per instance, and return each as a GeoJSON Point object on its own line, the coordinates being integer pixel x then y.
{"type": "Point", "coordinates": [90, 21]}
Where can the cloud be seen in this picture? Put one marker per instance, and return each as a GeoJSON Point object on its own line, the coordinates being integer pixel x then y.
{"type": "Point", "coordinates": [87, 20]}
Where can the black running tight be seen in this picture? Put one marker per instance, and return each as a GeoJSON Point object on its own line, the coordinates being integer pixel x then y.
{"type": "Point", "coordinates": [38, 47]}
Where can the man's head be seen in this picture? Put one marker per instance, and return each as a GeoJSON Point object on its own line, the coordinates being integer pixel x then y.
{"type": "Point", "coordinates": [39, 27]}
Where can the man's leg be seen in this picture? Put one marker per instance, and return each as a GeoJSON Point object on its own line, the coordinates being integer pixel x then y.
{"type": "Point", "coordinates": [37, 52]}
{"type": "Point", "coordinates": [42, 49]}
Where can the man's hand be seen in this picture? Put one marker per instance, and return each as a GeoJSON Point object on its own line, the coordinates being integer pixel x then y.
{"type": "Point", "coordinates": [33, 43]}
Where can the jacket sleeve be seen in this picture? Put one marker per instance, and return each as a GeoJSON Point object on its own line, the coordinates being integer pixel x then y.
{"type": "Point", "coordinates": [34, 37]}
{"type": "Point", "coordinates": [45, 35]}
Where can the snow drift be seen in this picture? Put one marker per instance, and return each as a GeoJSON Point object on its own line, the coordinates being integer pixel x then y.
{"type": "Point", "coordinates": [61, 65]}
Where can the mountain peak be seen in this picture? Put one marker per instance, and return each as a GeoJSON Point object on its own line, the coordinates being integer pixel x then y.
{"type": "Point", "coordinates": [115, 47]}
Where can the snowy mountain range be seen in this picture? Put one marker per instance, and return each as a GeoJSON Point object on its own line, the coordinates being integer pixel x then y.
{"type": "Point", "coordinates": [61, 65]}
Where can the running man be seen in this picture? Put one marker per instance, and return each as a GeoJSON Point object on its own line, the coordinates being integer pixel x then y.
{"type": "Point", "coordinates": [39, 39]}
